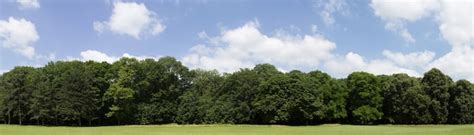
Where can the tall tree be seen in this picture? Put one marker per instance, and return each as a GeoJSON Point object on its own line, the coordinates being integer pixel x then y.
{"type": "Point", "coordinates": [461, 103]}
{"type": "Point", "coordinates": [98, 75]}
{"type": "Point", "coordinates": [333, 93]}
{"type": "Point", "coordinates": [436, 85]}
{"type": "Point", "coordinates": [196, 103]}
{"type": "Point", "coordinates": [171, 81]}
{"type": "Point", "coordinates": [365, 100]}
{"type": "Point", "coordinates": [120, 93]}
{"type": "Point", "coordinates": [18, 85]}
{"type": "Point", "coordinates": [305, 101]}
{"type": "Point", "coordinates": [270, 95]}
{"type": "Point", "coordinates": [405, 102]}
{"type": "Point", "coordinates": [238, 91]}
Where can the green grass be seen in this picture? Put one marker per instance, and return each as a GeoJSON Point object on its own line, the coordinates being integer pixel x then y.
{"type": "Point", "coordinates": [242, 130]}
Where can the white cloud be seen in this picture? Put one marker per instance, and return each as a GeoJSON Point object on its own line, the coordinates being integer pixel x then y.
{"type": "Point", "coordinates": [132, 19]}
{"type": "Point", "coordinates": [342, 66]}
{"type": "Point", "coordinates": [28, 4]}
{"type": "Point", "coordinates": [245, 46]}
{"type": "Point", "coordinates": [19, 35]}
{"type": "Point", "coordinates": [458, 63]}
{"type": "Point", "coordinates": [410, 60]}
{"type": "Point", "coordinates": [331, 7]}
{"type": "Point", "coordinates": [98, 56]}
{"type": "Point", "coordinates": [397, 12]}
{"type": "Point", "coordinates": [407, 10]}
{"type": "Point", "coordinates": [351, 62]}
{"type": "Point", "coordinates": [456, 20]}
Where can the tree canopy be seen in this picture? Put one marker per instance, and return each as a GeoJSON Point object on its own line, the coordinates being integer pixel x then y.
{"type": "Point", "coordinates": [131, 91]}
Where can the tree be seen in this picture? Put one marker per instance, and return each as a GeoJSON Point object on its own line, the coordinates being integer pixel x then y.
{"type": "Point", "coordinates": [2, 99]}
{"type": "Point", "coordinates": [405, 102]}
{"type": "Point", "coordinates": [120, 93]}
{"type": "Point", "coordinates": [270, 96]}
{"type": "Point", "coordinates": [167, 84]}
{"type": "Point", "coordinates": [333, 93]}
{"type": "Point", "coordinates": [461, 103]}
{"type": "Point", "coordinates": [365, 101]}
{"type": "Point", "coordinates": [238, 91]}
{"type": "Point", "coordinates": [18, 85]}
{"type": "Point", "coordinates": [99, 75]}
{"type": "Point", "coordinates": [305, 100]}
{"type": "Point", "coordinates": [436, 85]}
{"type": "Point", "coordinates": [196, 103]}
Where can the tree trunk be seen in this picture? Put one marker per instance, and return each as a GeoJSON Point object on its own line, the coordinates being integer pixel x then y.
{"type": "Point", "coordinates": [90, 122]}
{"type": "Point", "coordinates": [9, 117]}
{"type": "Point", "coordinates": [118, 120]}
{"type": "Point", "coordinates": [19, 117]}
{"type": "Point", "coordinates": [79, 121]}
{"type": "Point", "coordinates": [56, 119]}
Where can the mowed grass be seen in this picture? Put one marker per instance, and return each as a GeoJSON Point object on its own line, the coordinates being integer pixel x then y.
{"type": "Point", "coordinates": [242, 130]}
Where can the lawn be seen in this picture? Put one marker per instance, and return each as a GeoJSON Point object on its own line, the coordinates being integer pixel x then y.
{"type": "Point", "coordinates": [242, 130]}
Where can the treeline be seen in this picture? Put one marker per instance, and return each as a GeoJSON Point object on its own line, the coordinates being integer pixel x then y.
{"type": "Point", "coordinates": [164, 91]}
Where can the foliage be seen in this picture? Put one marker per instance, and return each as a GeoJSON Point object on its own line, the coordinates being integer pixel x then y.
{"type": "Point", "coordinates": [131, 91]}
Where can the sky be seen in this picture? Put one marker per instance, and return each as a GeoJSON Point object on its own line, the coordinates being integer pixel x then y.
{"type": "Point", "coordinates": [334, 36]}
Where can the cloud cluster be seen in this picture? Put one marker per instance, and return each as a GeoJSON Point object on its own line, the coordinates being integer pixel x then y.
{"type": "Point", "coordinates": [19, 35]}
{"type": "Point", "coordinates": [28, 4]}
{"type": "Point", "coordinates": [246, 46]}
{"type": "Point", "coordinates": [132, 19]}
{"type": "Point", "coordinates": [455, 19]}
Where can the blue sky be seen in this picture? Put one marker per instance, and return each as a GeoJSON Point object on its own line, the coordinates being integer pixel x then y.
{"type": "Point", "coordinates": [336, 36]}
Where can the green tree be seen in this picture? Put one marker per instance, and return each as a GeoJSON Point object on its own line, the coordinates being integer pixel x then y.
{"type": "Point", "coordinates": [405, 102]}
{"type": "Point", "coordinates": [333, 93]}
{"type": "Point", "coordinates": [173, 80]}
{"type": "Point", "coordinates": [461, 103]}
{"type": "Point", "coordinates": [365, 101]}
{"type": "Point", "coordinates": [196, 103]}
{"type": "Point", "coordinates": [98, 75]}
{"type": "Point", "coordinates": [436, 85]}
{"type": "Point", "coordinates": [270, 95]}
{"type": "Point", "coordinates": [237, 93]}
{"type": "Point", "coordinates": [120, 93]}
{"type": "Point", "coordinates": [18, 85]}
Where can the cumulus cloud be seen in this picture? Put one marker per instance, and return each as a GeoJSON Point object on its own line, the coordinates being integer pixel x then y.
{"type": "Point", "coordinates": [19, 35]}
{"type": "Point", "coordinates": [132, 19]}
{"type": "Point", "coordinates": [98, 56]}
{"type": "Point", "coordinates": [455, 19]}
{"type": "Point", "coordinates": [397, 12]}
{"type": "Point", "coordinates": [28, 4]}
{"type": "Point", "coordinates": [351, 62]}
{"type": "Point", "coordinates": [246, 46]}
{"type": "Point", "coordinates": [456, 22]}
{"type": "Point", "coordinates": [411, 60]}
{"type": "Point", "coordinates": [459, 63]}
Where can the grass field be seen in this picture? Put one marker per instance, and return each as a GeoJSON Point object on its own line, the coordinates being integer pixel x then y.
{"type": "Point", "coordinates": [242, 130]}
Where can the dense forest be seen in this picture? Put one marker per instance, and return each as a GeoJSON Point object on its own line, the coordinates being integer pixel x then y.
{"type": "Point", "coordinates": [132, 91]}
